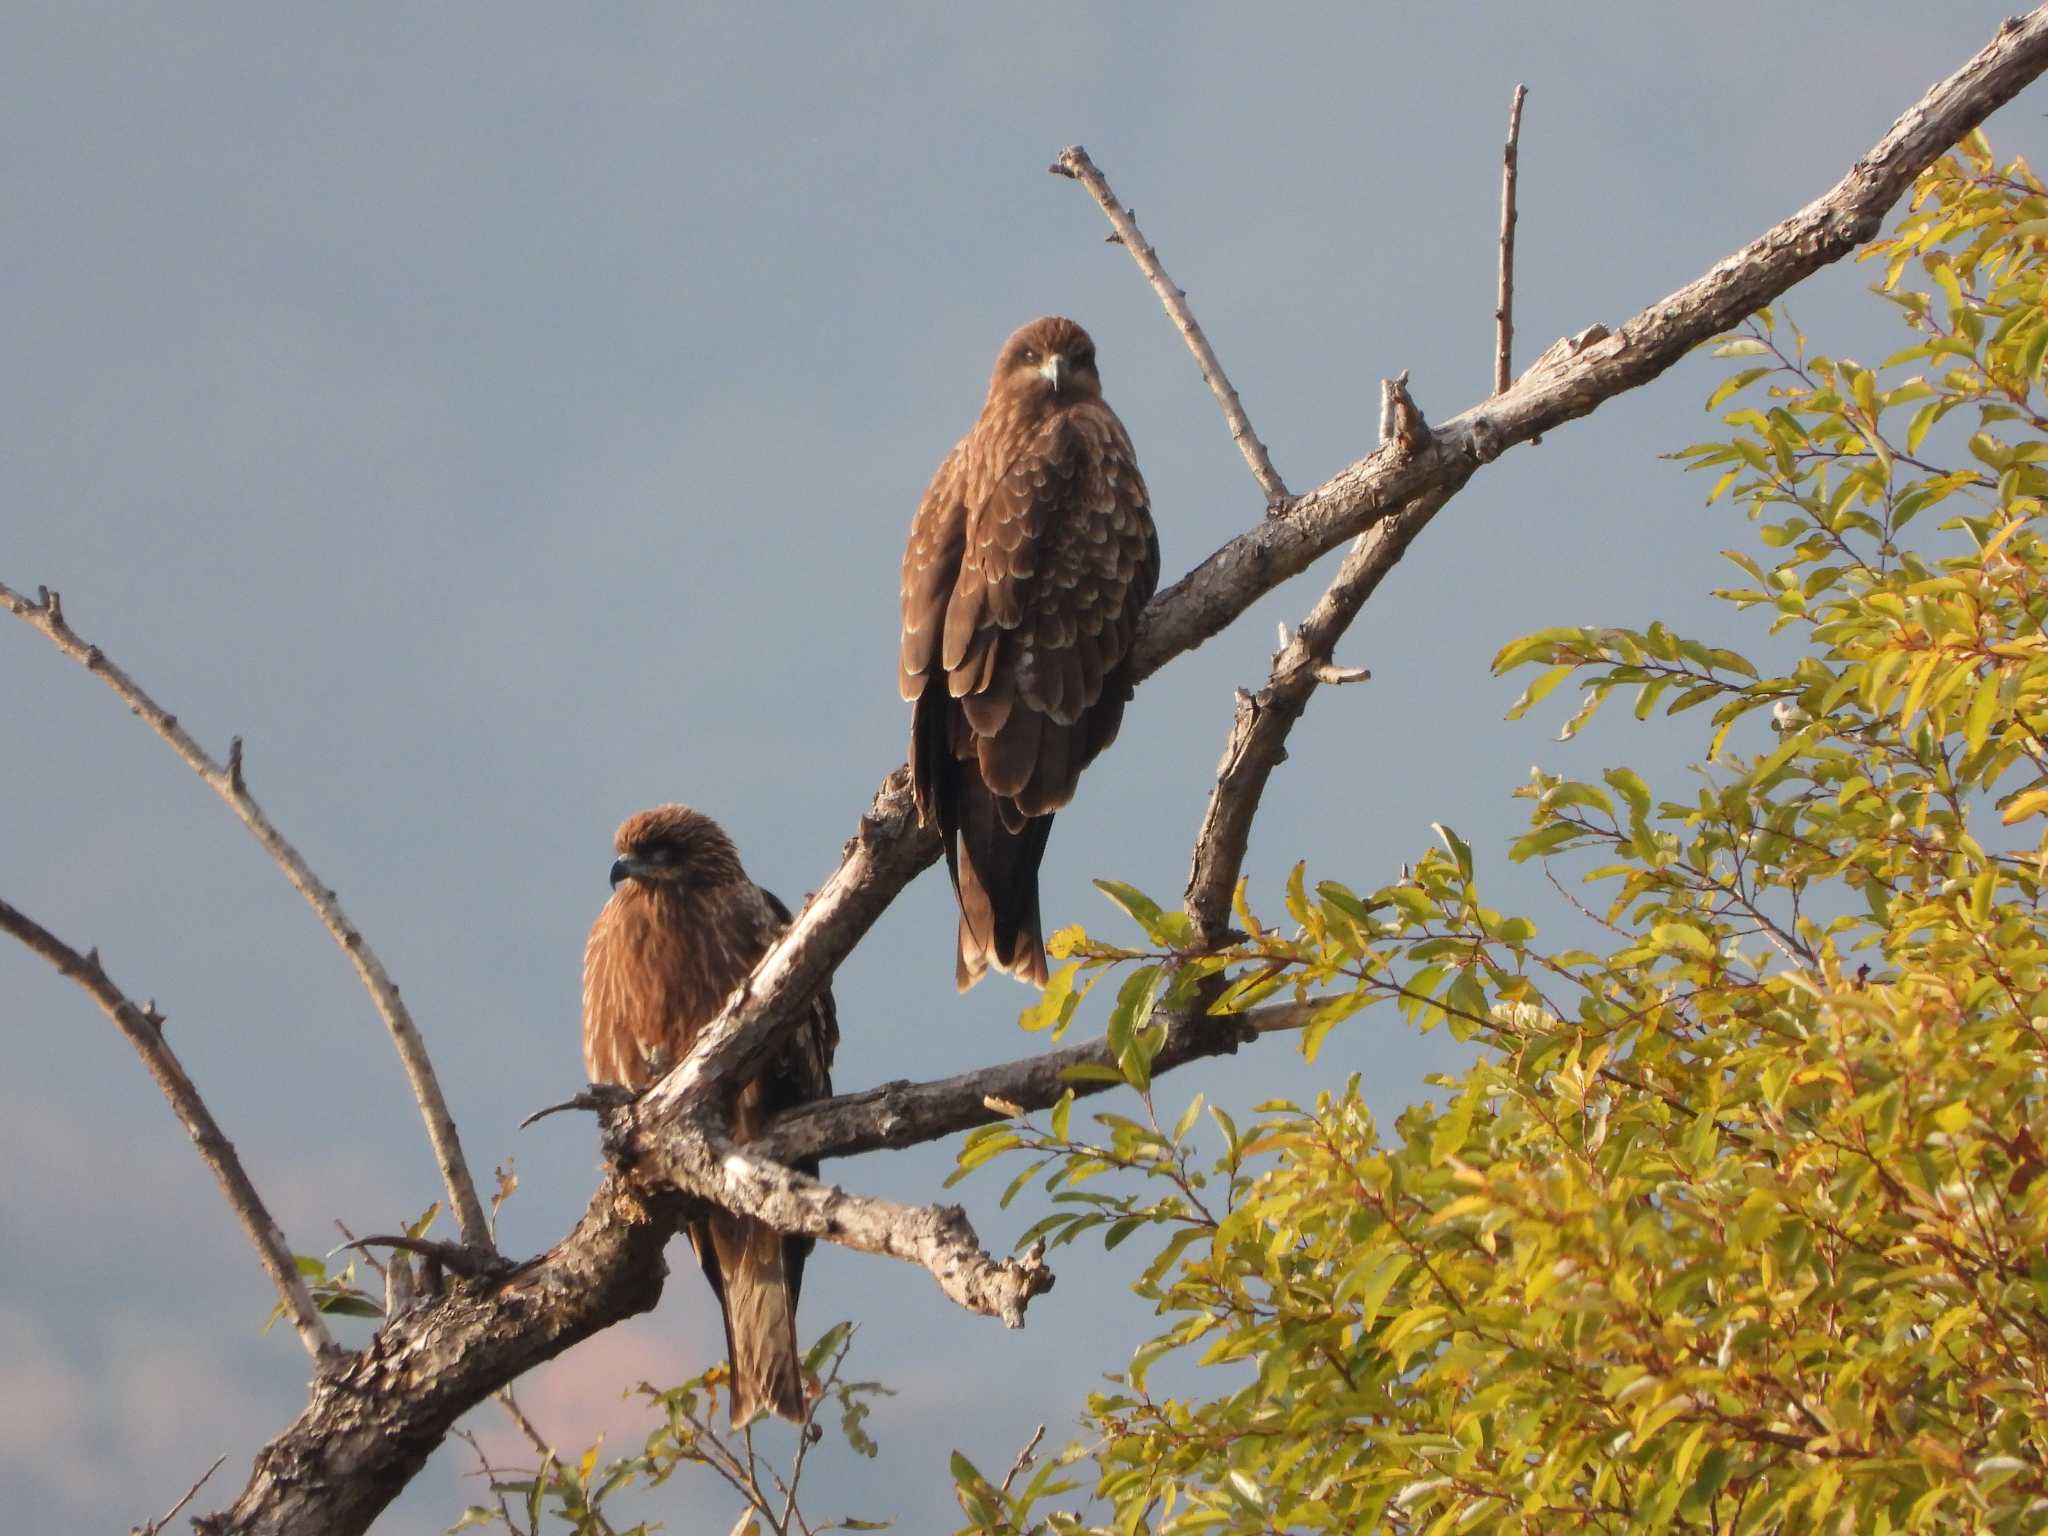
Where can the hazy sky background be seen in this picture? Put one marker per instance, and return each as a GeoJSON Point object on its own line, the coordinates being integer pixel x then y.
{"type": "Point", "coordinates": [507, 418]}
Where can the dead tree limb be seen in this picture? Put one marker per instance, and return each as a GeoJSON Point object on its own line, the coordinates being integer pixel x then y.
{"type": "Point", "coordinates": [905, 1114]}
{"type": "Point", "coordinates": [1504, 305]}
{"type": "Point", "coordinates": [1073, 163]}
{"type": "Point", "coordinates": [693, 1153]}
{"type": "Point", "coordinates": [144, 1029]}
{"type": "Point", "coordinates": [46, 613]}
{"type": "Point", "coordinates": [1258, 735]}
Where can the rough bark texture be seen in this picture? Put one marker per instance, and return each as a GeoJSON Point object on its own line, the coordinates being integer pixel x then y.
{"type": "Point", "coordinates": [693, 1153]}
{"type": "Point", "coordinates": [371, 1424]}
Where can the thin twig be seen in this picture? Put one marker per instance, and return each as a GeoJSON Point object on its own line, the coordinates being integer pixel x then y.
{"type": "Point", "coordinates": [540, 1444]}
{"type": "Point", "coordinates": [47, 615]}
{"type": "Point", "coordinates": [810, 1432]}
{"type": "Point", "coordinates": [1504, 309]}
{"type": "Point", "coordinates": [171, 1514]}
{"type": "Point", "coordinates": [143, 1027]}
{"type": "Point", "coordinates": [1074, 164]}
{"type": "Point", "coordinates": [489, 1474]}
{"type": "Point", "coordinates": [1024, 1456]}
{"type": "Point", "coordinates": [456, 1258]}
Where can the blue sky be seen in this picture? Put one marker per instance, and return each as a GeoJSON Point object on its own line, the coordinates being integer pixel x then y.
{"type": "Point", "coordinates": [507, 419]}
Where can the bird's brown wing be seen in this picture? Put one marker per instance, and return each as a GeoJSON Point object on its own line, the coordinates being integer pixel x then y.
{"type": "Point", "coordinates": [931, 565]}
{"type": "Point", "coordinates": [931, 562]}
{"type": "Point", "coordinates": [1053, 566]}
{"type": "Point", "coordinates": [1056, 565]}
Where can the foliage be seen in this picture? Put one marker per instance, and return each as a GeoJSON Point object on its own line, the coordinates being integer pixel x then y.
{"type": "Point", "coordinates": [575, 1496]}
{"type": "Point", "coordinates": [1737, 1222]}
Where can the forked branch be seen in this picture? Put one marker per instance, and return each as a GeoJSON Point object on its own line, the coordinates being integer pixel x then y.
{"type": "Point", "coordinates": [1258, 735]}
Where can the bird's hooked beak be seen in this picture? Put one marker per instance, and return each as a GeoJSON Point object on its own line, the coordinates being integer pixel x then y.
{"type": "Point", "coordinates": [1055, 370]}
{"type": "Point", "coordinates": [629, 869]}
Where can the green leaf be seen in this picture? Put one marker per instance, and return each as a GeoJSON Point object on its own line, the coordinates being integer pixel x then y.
{"type": "Point", "coordinates": [1143, 910]}
{"type": "Point", "coordinates": [1683, 936]}
{"type": "Point", "coordinates": [1460, 850]}
{"type": "Point", "coordinates": [826, 1347]}
{"type": "Point", "coordinates": [1537, 691]}
{"type": "Point", "coordinates": [1047, 1011]}
{"type": "Point", "coordinates": [1127, 1021]}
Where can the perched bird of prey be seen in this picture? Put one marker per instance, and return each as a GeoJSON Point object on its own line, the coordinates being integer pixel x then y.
{"type": "Point", "coordinates": [683, 928]}
{"type": "Point", "coordinates": [1029, 560]}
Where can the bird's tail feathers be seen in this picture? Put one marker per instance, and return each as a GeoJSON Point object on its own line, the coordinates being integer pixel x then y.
{"type": "Point", "coordinates": [932, 764]}
{"type": "Point", "coordinates": [759, 1303]}
{"type": "Point", "coordinates": [995, 872]}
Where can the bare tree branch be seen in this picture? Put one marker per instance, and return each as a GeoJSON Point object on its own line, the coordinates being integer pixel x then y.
{"type": "Point", "coordinates": [1258, 736]}
{"type": "Point", "coordinates": [1074, 164]}
{"type": "Point", "coordinates": [693, 1154]}
{"type": "Point", "coordinates": [144, 1029]}
{"type": "Point", "coordinates": [1504, 307]}
{"type": "Point", "coordinates": [1024, 1458]}
{"type": "Point", "coordinates": [905, 1114]}
{"type": "Point", "coordinates": [47, 615]}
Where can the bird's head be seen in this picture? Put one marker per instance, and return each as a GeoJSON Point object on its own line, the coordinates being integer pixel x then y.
{"type": "Point", "coordinates": [674, 847]}
{"type": "Point", "coordinates": [1049, 359]}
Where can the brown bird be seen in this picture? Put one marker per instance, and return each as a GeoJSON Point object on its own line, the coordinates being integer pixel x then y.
{"type": "Point", "coordinates": [1029, 560]}
{"type": "Point", "coordinates": [683, 928]}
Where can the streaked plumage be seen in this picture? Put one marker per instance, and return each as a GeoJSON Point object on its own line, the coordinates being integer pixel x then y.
{"type": "Point", "coordinates": [683, 928]}
{"type": "Point", "coordinates": [1029, 561]}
